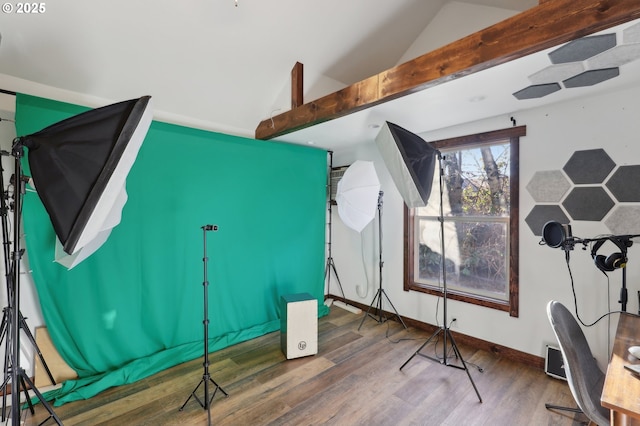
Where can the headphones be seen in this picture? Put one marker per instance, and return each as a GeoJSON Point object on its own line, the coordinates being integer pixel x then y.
{"type": "Point", "coordinates": [614, 260]}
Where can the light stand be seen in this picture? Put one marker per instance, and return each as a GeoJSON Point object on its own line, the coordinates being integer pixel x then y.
{"type": "Point", "coordinates": [6, 327]}
{"type": "Point", "coordinates": [377, 299]}
{"type": "Point", "coordinates": [444, 329]}
{"type": "Point", "coordinates": [205, 402]}
{"type": "Point", "coordinates": [330, 265]}
{"type": "Point", "coordinates": [20, 381]}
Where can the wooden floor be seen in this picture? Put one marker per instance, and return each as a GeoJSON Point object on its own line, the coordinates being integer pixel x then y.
{"type": "Point", "coordinates": [355, 379]}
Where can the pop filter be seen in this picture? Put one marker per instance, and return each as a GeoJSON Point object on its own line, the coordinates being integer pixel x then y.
{"type": "Point", "coordinates": [555, 234]}
{"type": "Point", "coordinates": [411, 162]}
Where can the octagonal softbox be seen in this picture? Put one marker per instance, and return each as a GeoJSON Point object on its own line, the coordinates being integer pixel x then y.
{"type": "Point", "coordinates": [79, 167]}
{"type": "Point", "coordinates": [411, 162]}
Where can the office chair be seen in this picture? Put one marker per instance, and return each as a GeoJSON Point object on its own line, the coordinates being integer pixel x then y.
{"type": "Point", "coordinates": [585, 378]}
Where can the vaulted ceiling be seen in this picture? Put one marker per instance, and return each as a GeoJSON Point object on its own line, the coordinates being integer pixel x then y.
{"type": "Point", "coordinates": [225, 65]}
{"type": "Point", "coordinates": [555, 51]}
{"type": "Point", "coordinates": [217, 64]}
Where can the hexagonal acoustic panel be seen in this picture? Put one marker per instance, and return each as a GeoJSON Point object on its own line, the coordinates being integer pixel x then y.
{"type": "Point", "coordinates": [541, 214]}
{"type": "Point", "coordinates": [584, 62]}
{"type": "Point", "coordinates": [591, 77]}
{"type": "Point", "coordinates": [592, 202]}
{"type": "Point", "coordinates": [615, 57]}
{"type": "Point", "coordinates": [623, 184]}
{"type": "Point", "coordinates": [631, 34]}
{"type": "Point", "coordinates": [588, 203]}
{"type": "Point", "coordinates": [548, 186]}
{"type": "Point", "coordinates": [624, 220]}
{"type": "Point", "coordinates": [556, 73]}
{"type": "Point", "coordinates": [583, 48]}
{"type": "Point", "coordinates": [537, 91]}
{"type": "Point", "coordinates": [589, 166]}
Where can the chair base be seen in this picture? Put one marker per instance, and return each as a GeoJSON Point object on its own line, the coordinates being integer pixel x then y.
{"type": "Point", "coordinates": [558, 407]}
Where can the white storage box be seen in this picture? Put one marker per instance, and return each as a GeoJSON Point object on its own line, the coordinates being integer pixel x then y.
{"type": "Point", "coordinates": [299, 325]}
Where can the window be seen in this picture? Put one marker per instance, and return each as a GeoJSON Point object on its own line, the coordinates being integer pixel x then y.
{"type": "Point", "coordinates": [480, 221]}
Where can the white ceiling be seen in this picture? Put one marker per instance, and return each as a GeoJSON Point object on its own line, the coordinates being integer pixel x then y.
{"type": "Point", "coordinates": [209, 61]}
{"type": "Point", "coordinates": [214, 65]}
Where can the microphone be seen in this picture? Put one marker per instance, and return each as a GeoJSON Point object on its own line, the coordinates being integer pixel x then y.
{"type": "Point", "coordinates": [555, 234]}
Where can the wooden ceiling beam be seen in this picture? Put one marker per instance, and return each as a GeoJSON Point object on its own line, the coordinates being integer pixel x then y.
{"type": "Point", "coordinates": [549, 24]}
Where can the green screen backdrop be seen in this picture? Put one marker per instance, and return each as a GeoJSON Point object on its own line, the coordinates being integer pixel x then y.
{"type": "Point", "coordinates": [135, 307]}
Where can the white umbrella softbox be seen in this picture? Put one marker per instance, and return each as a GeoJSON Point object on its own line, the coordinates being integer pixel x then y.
{"type": "Point", "coordinates": [357, 195]}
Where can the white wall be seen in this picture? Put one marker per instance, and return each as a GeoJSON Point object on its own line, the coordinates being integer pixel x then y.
{"type": "Point", "coordinates": [553, 134]}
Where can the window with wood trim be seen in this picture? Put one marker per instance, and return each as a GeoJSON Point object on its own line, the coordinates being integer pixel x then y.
{"type": "Point", "coordinates": [479, 193]}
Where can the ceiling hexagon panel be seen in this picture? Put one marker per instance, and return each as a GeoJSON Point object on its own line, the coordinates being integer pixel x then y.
{"type": "Point", "coordinates": [582, 49]}
{"type": "Point", "coordinates": [584, 62]}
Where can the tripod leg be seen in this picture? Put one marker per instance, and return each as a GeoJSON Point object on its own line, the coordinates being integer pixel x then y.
{"type": "Point", "coordinates": [7, 374]}
{"type": "Point", "coordinates": [394, 309]}
{"type": "Point", "coordinates": [27, 332]}
{"type": "Point", "coordinates": [193, 394]}
{"type": "Point", "coordinates": [335, 272]}
{"type": "Point", "coordinates": [26, 394]}
{"type": "Point", "coordinates": [368, 310]}
{"type": "Point", "coordinates": [45, 404]}
{"type": "Point", "coordinates": [459, 355]}
{"type": "Point", "coordinates": [217, 388]}
{"type": "Point", "coordinates": [4, 396]}
{"type": "Point", "coordinates": [3, 327]}
{"type": "Point", "coordinates": [420, 348]}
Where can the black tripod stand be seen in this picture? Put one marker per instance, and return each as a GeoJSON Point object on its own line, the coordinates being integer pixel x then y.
{"type": "Point", "coordinates": [13, 321]}
{"type": "Point", "coordinates": [206, 380]}
{"type": "Point", "coordinates": [330, 265]}
{"type": "Point", "coordinates": [377, 299]}
{"type": "Point", "coordinates": [444, 329]}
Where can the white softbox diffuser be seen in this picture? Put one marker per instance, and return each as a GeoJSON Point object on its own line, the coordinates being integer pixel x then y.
{"type": "Point", "coordinates": [79, 167]}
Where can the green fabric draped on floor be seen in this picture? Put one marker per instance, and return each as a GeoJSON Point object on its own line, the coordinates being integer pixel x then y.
{"type": "Point", "coordinates": [135, 307]}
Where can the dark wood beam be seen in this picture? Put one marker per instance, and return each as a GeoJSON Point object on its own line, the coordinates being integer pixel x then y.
{"type": "Point", "coordinates": [297, 86]}
{"type": "Point", "coordinates": [549, 24]}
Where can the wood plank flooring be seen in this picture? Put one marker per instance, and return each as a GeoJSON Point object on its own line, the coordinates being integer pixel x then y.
{"type": "Point", "coordinates": [355, 379]}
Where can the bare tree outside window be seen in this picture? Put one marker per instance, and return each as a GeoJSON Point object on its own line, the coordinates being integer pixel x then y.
{"type": "Point", "coordinates": [478, 174]}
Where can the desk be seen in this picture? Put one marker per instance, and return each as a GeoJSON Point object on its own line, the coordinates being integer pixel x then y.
{"type": "Point", "coordinates": [621, 392]}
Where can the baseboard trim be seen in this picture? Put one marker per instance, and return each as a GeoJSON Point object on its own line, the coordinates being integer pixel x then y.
{"type": "Point", "coordinates": [494, 348]}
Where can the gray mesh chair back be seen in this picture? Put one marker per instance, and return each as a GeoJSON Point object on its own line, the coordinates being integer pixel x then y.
{"type": "Point", "coordinates": [585, 378]}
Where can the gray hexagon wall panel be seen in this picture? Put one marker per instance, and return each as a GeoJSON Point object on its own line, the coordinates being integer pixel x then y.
{"type": "Point", "coordinates": [542, 214]}
{"type": "Point", "coordinates": [589, 166]}
{"type": "Point", "coordinates": [548, 186]}
{"type": "Point", "coordinates": [624, 184]}
{"type": "Point", "coordinates": [624, 220]}
{"type": "Point", "coordinates": [594, 185]}
{"type": "Point", "coordinates": [588, 203]}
